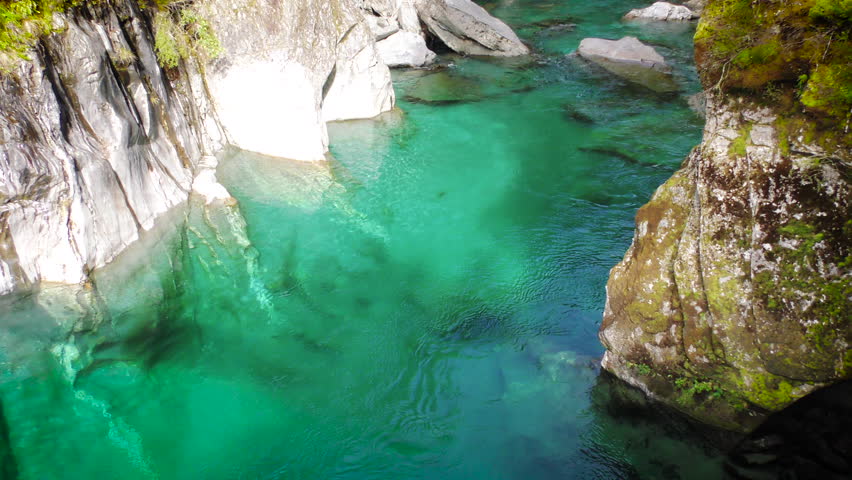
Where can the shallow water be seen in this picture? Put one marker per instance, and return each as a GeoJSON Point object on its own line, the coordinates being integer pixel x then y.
{"type": "Point", "coordinates": [423, 305]}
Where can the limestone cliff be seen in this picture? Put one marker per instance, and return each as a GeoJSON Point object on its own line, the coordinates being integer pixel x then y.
{"type": "Point", "coordinates": [115, 114]}
{"type": "Point", "coordinates": [735, 298]}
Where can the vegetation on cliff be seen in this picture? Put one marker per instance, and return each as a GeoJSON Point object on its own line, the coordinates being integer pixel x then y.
{"type": "Point", "coordinates": [180, 30]}
{"type": "Point", "coordinates": [735, 299]}
{"type": "Point", "coordinates": [796, 55]}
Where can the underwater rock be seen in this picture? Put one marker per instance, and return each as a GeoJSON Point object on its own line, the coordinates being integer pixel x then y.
{"type": "Point", "coordinates": [630, 59]}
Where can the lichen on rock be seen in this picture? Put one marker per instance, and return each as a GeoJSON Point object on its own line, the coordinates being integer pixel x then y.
{"type": "Point", "coordinates": [735, 295]}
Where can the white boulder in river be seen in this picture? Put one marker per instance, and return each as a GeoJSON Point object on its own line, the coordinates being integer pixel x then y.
{"type": "Point", "coordinates": [630, 59]}
{"type": "Point", "coordinates": [662, 11]}
{"type": "Point", "coordinates": [467, 28]}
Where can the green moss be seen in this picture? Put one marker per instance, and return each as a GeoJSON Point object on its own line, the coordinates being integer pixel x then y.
{"type": "Point", "coordinates": [758, 54]}
{"type": "Point", "coordinates": [798, 289]}
{"type": "Point", "coordinates": [829, 89]}
{"type": "Point", "coordinates": [752, 44]}
{"type": "Point", "coordinates": [22, 22]}
{"type": "Point", "coordinates": [739, 144]}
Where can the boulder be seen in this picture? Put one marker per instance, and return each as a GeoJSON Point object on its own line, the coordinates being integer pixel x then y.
{"type": "Point", "coordinates": [662, 11]}
{"type": "Point", "coordinates": [467, 28]}
{"type": "Point", "coordinates": [631, 59]}
{"type": "Point", "coordinates": [405, 49]}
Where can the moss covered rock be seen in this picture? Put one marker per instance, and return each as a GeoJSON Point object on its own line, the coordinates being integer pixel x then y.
{"type": "Point", "coordinates": [735, 298]}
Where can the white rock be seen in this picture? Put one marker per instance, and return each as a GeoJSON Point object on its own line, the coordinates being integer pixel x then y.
{"type": "Point", "coordinates": [271, 106]}
{"type": "Point", "coordinates": [206, 185]}
{"type": "Point", "coordinates": [361, 86]}
{"type": "Point", "coordinates": [631, 59]}
{"type": "Point", "coordinates": [381, 27]}
{"type": "Point", "coordinates": [467, 28]}
{"type": "Point", "coordinates": [662, 11]}
{"type": "Point", "coordinates": [405, 49]}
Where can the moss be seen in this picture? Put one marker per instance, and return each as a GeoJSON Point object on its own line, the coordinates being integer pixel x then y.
{"type": "Point", "coordinates": [739, 144]}
{"type": "Point", "coordinates": [821, 301]}
{"type": "Point", "coordinates": [750, 44]}
{"type": "Point", "coordinates": [180, 32]}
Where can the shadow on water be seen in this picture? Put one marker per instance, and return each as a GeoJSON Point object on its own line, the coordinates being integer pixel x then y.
{"type": "Point", "coordinates": [8, 464]}
{"type": "Point", "coordinates": [811, 439]}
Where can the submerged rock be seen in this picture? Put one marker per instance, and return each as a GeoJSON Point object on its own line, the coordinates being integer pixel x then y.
{"type": "Point", "coordinates": [405, 49]}
{"type": "Point", "coordinates": [630, 59]}
{"type": "Point", "coordinates": [662, 11]}
{"type": "Point", "coordinates": [444, 88]}
{"type": "Point", "coordinates": [467, 28]}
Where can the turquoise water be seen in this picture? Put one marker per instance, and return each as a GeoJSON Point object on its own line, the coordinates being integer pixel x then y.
{"type": "Point", "coordinates": [423, 305]}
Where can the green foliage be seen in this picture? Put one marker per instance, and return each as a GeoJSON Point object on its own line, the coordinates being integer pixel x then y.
{"type": "Point", "coordinates": [641, 368]}
{"type": "Point", "coordinates": [693, 388]}
{"type": "Point", "coordinates": [21, 22]}
{"type": "Point", "coordinates": [180, 32]}
{"type": "Point", "coordinates": [759, 54]}
{"type": "Point", "coordinates": [831, 10]}
{"type": "Point", "coordinates": [802, 48]}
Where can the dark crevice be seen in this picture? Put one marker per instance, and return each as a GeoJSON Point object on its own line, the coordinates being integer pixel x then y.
{"type": "Point", "coordinates": [8, 464]}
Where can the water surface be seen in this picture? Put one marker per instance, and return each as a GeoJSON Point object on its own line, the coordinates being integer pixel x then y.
{"type": "Point", "coordinates": [424, 305]}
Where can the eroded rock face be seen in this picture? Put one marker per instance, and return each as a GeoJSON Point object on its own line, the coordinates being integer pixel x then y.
{"type": "Point", "coordinates": [92, 149]}
{"type": "Point", "coordinates": [97, 141]}
{"type": "Point", "coordinates": [662, 11]}
{"type": "Point", "coordinates": [631, 59]}
{"type": "Point", "coordinates": [467, 28]}
{"type": "Point", "coordinates": [735, 298]}
{"type": "Point", "coordinates": [275, 86]}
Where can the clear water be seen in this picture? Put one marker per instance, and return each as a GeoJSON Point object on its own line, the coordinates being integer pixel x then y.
{"type": "Point", "coordinates": [424, 305]}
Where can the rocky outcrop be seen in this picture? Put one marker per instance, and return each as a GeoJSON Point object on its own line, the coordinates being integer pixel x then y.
{"type": "Point", "coordinates": [97, 140]}
{"type": "Point", "coordinates": [630, 59]}
{"type": "Point", "coordinates": [662, 11]}
{"type": "Point", "coordinates": [735, 298]}
{"type": "Point", "coordinates": [116, 118]}
{"type": "Point", "coordinates": [467, 28]}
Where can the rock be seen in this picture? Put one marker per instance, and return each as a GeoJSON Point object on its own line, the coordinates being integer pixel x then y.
{"type": "Point", "coordinates": [733, 301]}
{"type": "Point", "coordinates": [206, 185]}
{"type": "Point", "coordinates": [444, 88]}
{"type": "Point", "coordinates": [696, 6]}
{"type": "Point", "coordinates": [332, 74]}
{"type": "Point", "coordinates": [662, 11]}
{"type": "Point", "coordinates": [698, 103]}
{"type": "Point", "coordinates": [467, 28]}
{"type": "Point", "coordinates": [631, 59]}
{"type": "Point", "coordinates": [405, 49]}
{"type": "Point", "coordinates": [382, 27]}
{"type": "Point", "coordinates": [98, 141]}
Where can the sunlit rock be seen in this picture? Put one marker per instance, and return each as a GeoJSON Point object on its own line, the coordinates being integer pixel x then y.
{"type": "Point", "coordinates": [467, 28]}
{"type": "Point", "coordinates": [630, 59]}
{"type": "Point", "coordinates": [405, 49]}
{"type": "Point", "coordinates": [662, 11]}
